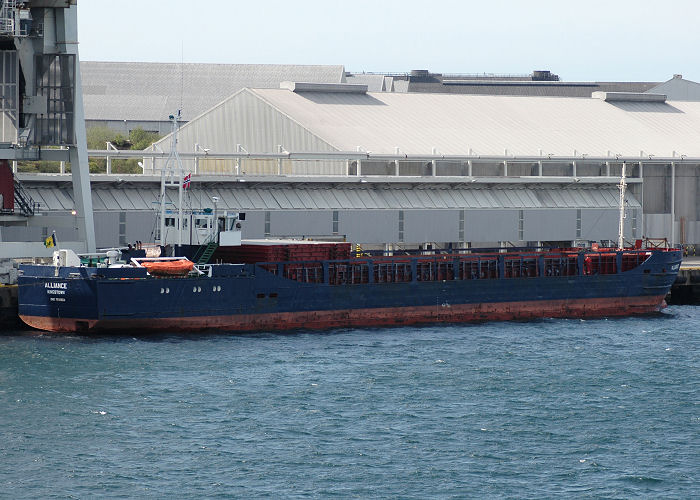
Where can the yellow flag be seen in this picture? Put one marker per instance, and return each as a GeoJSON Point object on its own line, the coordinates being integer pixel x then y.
{"type": "Point", "coordinates": [50, 241]}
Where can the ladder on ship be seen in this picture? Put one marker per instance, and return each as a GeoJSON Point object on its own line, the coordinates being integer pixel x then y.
{"type": "Point", "coordinates": [205, 252]}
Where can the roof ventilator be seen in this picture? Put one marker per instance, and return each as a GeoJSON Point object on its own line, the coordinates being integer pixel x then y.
{"type": "Point", "coordinates": [344, 88]}
{"type": "Point", "coordinates": [628, 97]}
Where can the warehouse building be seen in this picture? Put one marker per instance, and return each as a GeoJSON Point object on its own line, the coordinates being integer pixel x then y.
{"type": "Point", "coordinates": [410, 169]}
{"type": "Point", "coordinates": [128, 95]}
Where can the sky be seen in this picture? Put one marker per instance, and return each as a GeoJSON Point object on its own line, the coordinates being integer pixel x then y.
{"type": "Point", "coordinates": [613, 40]}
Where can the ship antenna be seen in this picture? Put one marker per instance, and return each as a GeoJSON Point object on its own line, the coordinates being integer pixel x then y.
{"type": "Point", "coordinates": [621, 226]}
{"type": "Point", "coordinates": [182, 73]}
{"type": "Point", "coordinates": [170, 178]}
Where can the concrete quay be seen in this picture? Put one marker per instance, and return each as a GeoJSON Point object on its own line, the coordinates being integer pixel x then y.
{"type": "Point", "coordinates": [686, 289]}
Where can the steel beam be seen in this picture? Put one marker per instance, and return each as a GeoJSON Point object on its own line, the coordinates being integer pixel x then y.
{"type": "Point", "coordinates": [354, 155]}
{"type": "Point", "coordinates": [67, 41]}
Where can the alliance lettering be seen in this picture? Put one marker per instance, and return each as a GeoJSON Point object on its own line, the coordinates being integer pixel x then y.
{"type": "Point", "coordinates": [55, 288]}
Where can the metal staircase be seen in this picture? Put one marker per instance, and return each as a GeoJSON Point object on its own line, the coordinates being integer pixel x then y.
{"type": "Point", "coordinates": [23, 201]}
{"type": "Point", "coordinates": [205, 252]}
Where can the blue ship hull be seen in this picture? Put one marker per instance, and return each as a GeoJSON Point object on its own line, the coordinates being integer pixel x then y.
{"type": "Point", "coordinates": [358, 292]}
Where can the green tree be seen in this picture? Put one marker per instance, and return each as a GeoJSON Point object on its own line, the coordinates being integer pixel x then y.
{"type": "Point", "coordinates": [97, 138]}
{"type": "Point", "coordinates": [141, 139]}
{"type": "Point", "coordinates": [43, 167]}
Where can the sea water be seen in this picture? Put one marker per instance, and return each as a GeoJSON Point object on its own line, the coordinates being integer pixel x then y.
{"type": "Point", "coordinates": [554, 408]}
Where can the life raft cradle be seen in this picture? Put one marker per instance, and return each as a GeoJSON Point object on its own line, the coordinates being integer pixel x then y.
{"type": "Point", "coordinates": [165, 266]}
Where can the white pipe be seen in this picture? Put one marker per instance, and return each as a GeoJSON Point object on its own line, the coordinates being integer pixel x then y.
{"type": "Point", "coordinates": [673, 203]}
{"type": "Point", "coordinates": [621, 226]}
{"type": "Point", "coordinates": [396, 162]}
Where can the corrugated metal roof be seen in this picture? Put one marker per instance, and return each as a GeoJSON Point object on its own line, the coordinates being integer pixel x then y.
{"type": "Point", "coordinates": [152, 91]}
{"type": "Point", "coordinates": [311, 198]}
{"type": "Point", "coordinates": [375, 83]}
{"type": "Point", "coordinates": [489, 125]}
{"type": "Point", "coordinates": [525, 88]}
{"type": "Point", "coordinates": [678, 89]}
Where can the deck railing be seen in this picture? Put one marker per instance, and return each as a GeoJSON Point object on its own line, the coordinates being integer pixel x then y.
{"type": "Point", "coordinates": [450, 267]}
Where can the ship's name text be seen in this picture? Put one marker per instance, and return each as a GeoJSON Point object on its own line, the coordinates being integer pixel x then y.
{"type": "Point", "coordinates": [56, 288]}
{"type": "Point", "coordinates": [62, 286]}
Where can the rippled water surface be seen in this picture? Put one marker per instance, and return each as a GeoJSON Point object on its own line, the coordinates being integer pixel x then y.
{"type": "Point", "coordinates": [586, 409]}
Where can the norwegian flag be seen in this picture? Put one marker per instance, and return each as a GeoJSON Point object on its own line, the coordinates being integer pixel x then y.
{"type": "Point", "coordinates": [187, 181]}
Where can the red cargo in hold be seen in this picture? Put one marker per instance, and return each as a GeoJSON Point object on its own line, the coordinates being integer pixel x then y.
{"type": "Point", "coordinates": [287, 252]}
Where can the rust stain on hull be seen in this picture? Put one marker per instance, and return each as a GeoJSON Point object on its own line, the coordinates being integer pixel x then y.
{"type": "Point", "coordinates": [461, 313]}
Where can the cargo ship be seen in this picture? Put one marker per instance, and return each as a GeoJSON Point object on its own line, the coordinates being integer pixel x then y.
{"type": "Point", "coordinates": [294, 291]}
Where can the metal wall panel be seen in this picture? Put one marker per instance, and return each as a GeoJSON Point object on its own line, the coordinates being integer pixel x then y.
{"type": "Point", "coordinates": [253, 227]}
{"type": "Point", "coordinates": [656, 189]}
{"type": "Point", "coordinates": [549, 225]}
{"type": "Point", "coordinates": [687, 192]}
{"type": "Point", "coordinates": [692, 233]}
{"type": "Point", "coordinates": [107, 229]}
{"type": "Point", "coordinates": [490, 225]}
{"type": "Point", "coordinates": [140, 226]}
{"type": "Point", "coordinates": [301, 223]}
{"type": "Point", "coordinates": [21, 233]}
{"type": "Point", "coordinates": [423, 226]}
{"type": "Point", "coordinates": [599, 224]}
{"type": "Point", "coordinates": [369, 226]}
{"type": "Point", "coordinates": [657, 225]}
